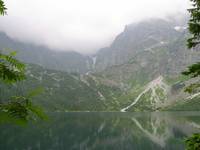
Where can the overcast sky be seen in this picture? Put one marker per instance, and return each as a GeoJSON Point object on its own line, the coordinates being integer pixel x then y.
{"type": "Point", "coordinates": [81, 25]}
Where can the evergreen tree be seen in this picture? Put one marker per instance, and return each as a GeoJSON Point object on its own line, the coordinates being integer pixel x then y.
{"type": "Point", "coordinates": [192, 143]}
{"type": "Point", "coordinates": [193, 42]}
{"type": "Point", "coordinates": [194, 24]}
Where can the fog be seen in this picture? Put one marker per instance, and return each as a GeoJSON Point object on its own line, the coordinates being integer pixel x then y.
{"type": "Point", "coordinates": [80, 25]}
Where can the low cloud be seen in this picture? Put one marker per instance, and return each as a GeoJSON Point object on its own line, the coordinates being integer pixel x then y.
{"type": "Point", "coordinates": [80, 25]}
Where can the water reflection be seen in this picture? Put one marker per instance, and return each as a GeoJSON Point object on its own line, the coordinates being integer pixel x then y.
{"type": "Point", "coordinates": [103, 131]}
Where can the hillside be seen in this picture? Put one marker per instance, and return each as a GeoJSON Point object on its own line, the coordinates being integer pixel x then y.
{"type": "Point", "coordinates": [64, 91]}
{"type": "Point", "coordinates": [140, 71]}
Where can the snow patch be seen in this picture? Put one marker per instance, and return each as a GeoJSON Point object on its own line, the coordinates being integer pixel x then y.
{"type": "Point", "coordinates": [151, 48]}
{"type": "Point", "coordinates": [58, 80]}
{"type": "Point", "coordinates": [162, 42]}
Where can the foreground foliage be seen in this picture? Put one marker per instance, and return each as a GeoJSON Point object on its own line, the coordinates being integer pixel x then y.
{"type": "Point", "coordinates": [2, 8]}
{"type": "Point", "coordinates": [11, 70]}
{"type": "Point", "coordinates": [17, 107]}
{"type": "Point", "coordinates": [193, 142]}
{"type": "Point", "coordinates": [193, 42]}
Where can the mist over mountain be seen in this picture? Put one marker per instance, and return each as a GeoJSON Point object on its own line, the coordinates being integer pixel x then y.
{"type": "Point", "coordinates": [84, 26]}
{"type": "Point", "coordinates": [139, 71]}
{"type": "Point", "coordinates": [133, 39]}
{"type": "Point", "coordinates": [137, 37]}
{"type": "Point", "coordinates": [69, 61]}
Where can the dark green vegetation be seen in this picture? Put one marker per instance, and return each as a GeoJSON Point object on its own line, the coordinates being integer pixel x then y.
{"type": "Point", "coordinates": [11, 70]}
{"type": "Point", "coordinates": [193, 42]}
{"type": "Point", "coordinates": [2, 8]}
{"type": "Point", "coordinates": [103, 131]}
{"type": "Point", "coordinates": [193, 143]}
{"type": "Point", "coordinates": [66, 91]}
{"type": "Point", "coordinates": [194, 26]}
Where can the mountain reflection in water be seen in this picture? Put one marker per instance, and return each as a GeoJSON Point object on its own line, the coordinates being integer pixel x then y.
{"type": "Point", "coordinates": [103, 131]}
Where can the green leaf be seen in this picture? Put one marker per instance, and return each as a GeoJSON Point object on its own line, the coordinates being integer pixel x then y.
{"type": "Point", "coordinates": [2, 8]}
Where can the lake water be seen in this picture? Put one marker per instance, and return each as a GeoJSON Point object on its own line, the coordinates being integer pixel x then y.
{"type": "Point", "coordinates": [103, 131]}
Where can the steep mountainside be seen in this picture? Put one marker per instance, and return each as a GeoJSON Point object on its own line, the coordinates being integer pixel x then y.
{"type": "Point", "coordinates": [147, 60]}
{"type": "Point", "coordinates": [139, 37]}
{"type": "Point", "coordinates": [51, 59]}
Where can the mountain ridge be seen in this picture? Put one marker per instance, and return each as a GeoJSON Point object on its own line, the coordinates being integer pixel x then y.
{"type": "Point", "coordinates": [140, 71]}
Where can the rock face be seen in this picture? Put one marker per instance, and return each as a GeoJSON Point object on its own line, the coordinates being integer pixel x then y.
{"type": "Point", "coordinates": [136, 38]}
{"type": "Point", "coordinates": [147, 59]}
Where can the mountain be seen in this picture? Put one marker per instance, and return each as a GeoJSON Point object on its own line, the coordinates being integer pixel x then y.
{"type": "Point", "coordinates": [147, 60]}
{"type": "Point", "coordinates": [139, 37]}
{"type": "Point", "coordinates": [51, 59]}
{"type": "Point", "coordinates": [140, 71]}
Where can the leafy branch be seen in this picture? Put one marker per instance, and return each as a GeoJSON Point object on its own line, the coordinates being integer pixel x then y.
{"type": "Point", "coordinates": [2, 8]}
{"type": "Point", "coordinates": [11, 69]}
{"type": "Point", "coordinates": [17, 107]}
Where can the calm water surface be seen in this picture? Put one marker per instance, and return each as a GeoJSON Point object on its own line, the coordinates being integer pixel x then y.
{"type": "Point", "coordinates": [103, 131]}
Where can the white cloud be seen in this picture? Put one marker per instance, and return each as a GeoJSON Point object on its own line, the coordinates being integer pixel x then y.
{"type": "Point", "coordinates": [81, 25]}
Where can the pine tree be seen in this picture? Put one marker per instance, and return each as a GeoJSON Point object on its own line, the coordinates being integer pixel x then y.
{"type": "Point", "coordinates": [194, 24]}
{"type": "Point", "coordinates": [193, 42]}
